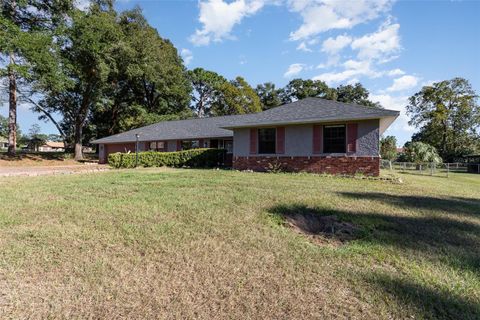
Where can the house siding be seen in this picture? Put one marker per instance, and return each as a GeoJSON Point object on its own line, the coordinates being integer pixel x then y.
{"type": "Point", "coordinates": [299, 141]}
{"type": "Point", "coordinates": [368, 138]}
{"type": "Point", "coordinates": [298, 154]}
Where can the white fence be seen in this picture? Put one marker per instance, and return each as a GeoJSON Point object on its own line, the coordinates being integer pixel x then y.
{"type": "Point", "coordinates": [432, 169]}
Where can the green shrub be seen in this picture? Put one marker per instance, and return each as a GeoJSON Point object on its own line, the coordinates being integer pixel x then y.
{"type": "Point", "coordinates": [195, 158]}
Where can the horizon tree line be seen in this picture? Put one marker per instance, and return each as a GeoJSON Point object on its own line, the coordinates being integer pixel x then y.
{"type": "Point", "coordinates": [104, 72]}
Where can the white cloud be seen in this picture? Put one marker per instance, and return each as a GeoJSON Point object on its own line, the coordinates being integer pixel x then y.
{"type": "Point", "coordinates": [403, 83]}
{"type": "Point", "coordinates": [294, 69]}
{"type": "Point", "coordinates": [429, 83]}
{"type": "Point", "coordinates": [187, 56]}
{"type": "Point", "coordinates": [304, 45]}
{"type": "Point", "coordinates": [331, 61]}
{"type": "Point", "coordinates": [82, 4]}
{"type": "Point", "coordinates": [323, 15]}
{"type": "Point", "coordinates": [334, 45]}
{"type": "Point", "coordinates": [380, 45]}
{"type": "Point", "coordinates": [352, 70]}
{"type": "Point", "coordinates": [219, 17]}
{"type": "Point", "coordinates": [395, 72]}
{"type": "Point", "coordinates": [398, 103]}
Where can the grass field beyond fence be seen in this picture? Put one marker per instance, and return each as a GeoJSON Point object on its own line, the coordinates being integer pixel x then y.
{"type": "Point", "coordinates": [173, 243]}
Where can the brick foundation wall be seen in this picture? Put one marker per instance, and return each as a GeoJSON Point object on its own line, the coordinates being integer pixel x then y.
{"type": "Point", "coordinates": [315, 164]}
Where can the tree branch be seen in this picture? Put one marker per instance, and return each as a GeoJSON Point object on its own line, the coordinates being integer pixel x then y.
{"type": "Point", "coordinates": [48, 115]}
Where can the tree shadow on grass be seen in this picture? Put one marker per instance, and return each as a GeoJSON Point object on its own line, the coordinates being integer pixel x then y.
{"type": "Point", "coordinates": [428, 302]}
{"type": "Point", "coordinates": [433, 238]}
{"type": "Point", "coordinates": [456, 205]}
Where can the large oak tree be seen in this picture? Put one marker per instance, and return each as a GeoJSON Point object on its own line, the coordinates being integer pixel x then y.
{"type": "Point", "coordinates": [149, 82]}
{"type": "Point", "coordinates": [448, 116]}
{"type": "Point", "coordinates": [87, 57]}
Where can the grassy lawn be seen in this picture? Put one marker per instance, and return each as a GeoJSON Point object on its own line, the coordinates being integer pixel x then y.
{"type": "Point", "coordinates": [157, 243]}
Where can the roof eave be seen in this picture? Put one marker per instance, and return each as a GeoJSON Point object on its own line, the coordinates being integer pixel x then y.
{"type": "Point", "coordinates": [99, 141]}
{"type": "Point", "coordinates": [308, 121]}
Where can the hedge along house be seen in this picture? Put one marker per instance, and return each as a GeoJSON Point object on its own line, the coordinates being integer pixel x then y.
{"type": "Point", "coordinates": [312, 135]}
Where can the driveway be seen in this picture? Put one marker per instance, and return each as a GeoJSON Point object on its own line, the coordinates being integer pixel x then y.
{"type": "Point", "coordinates": [50, 170]}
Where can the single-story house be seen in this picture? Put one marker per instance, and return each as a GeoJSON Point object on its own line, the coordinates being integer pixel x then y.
{"type": "Point", "coordinates": [312, 135]}
{"type": "Point", "coordinates": [52, 146]}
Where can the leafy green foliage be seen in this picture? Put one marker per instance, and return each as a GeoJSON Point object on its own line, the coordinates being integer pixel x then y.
{"type": "Point", "coordinates": [355, 94]}
{"type": "Point", "coordinates": [388, 147]}
{"type": "Point", "coordinates": [121, 75]}
{"type": "Point", "coordinates": [87, 58]}
{"type": "Point", "coordinates": [298, 89]}
{"type": "Point", "coordinates": [448, 116]}
{"type": "Point", "coordinates": [28, 35]}
{"type": "Point", "coordinates": [420, 152]}
{"type": "Point", "coordinates": [195, 158]}
{"type": "Point", "coordinates": [149, 81]}
{"type": "Point", "coordinates": [236, 97]}
{"type": "Point", "coordinates": [269, 95]}
{"type": "Point", "coordinates": [35, 138]}
{"type": "Point", "coordinates": [3, 127]}
{"type": "Point", "coordinates": [207, 86]}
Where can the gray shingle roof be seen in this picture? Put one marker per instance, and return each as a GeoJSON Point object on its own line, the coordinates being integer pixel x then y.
{"type": "Point", "coordinates": [177, 129]}
{"type": "Point", "coordinates": [314, 110]}
{"type": "Point", "coordinates": [302, 111]}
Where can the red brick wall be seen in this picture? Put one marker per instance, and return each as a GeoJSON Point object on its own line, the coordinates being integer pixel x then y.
{"type": "Point", "coordinates": [117, 147]}
{"type": "Point", "coordinates": [315, 164]}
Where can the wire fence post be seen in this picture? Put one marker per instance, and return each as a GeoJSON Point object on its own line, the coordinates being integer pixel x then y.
{"type": "Point", "coordinates": [448, 168]}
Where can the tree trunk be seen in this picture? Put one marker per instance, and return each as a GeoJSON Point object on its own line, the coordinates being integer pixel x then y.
{"type": "Point", "coordinates": [12, 111]}
{"type": "Point", "coordinates": [80, 118]}
{"type": "Point", "coordinates": [78, 140]}
{"type": "Point", "coordinates": [444, 139]}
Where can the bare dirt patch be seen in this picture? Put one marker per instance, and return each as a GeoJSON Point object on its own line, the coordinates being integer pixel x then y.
{"type": "Point", "coordinates": [10, 171]}
{"type": "Point", "coordinates": [32, 159]}
{"type": "Point", "coordinates": [322, 229]}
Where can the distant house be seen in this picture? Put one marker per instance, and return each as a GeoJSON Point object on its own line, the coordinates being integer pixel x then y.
{"type": "Point", "coordinates": [312, 135]}
{"type": "Point", "coordinates": [3, 143]}
{"type": "Point", "coordinates": [52, 146]}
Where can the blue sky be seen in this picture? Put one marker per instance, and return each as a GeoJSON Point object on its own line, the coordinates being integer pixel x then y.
{"type": "Point", "coordinates": [391, 47]}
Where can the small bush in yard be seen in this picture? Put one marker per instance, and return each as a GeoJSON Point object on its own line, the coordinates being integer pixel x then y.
{"type": "Point", "coordinates": [196, 158]}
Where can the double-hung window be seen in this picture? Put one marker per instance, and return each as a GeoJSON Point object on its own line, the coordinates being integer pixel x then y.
{"type": "Point", "coordinates": [334, 139]}
{"type": "Point", "coordinates": [267, 140]}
